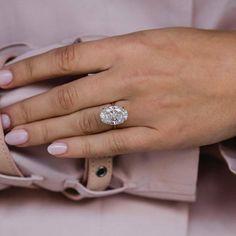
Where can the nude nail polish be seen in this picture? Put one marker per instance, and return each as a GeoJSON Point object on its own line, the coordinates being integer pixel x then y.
{"type": "Point", "coordinates": [6, 122]}
{"type": "Point", "coordinates": [57, 148]}
{"type": "Point", "coordinates": [5, 77]}
{"type": "Point", "coordinates": [16, 137]}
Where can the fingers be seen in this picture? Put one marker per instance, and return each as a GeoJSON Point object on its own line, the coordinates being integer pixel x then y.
{"type": "Point", "coordinates": [114, 142]}
{"type": "Point", "coordinates": [84, 122]}
{"type": "Point", "coordinates": [87, 92]}
{"type": "Point", "coordinates": [75, 59]}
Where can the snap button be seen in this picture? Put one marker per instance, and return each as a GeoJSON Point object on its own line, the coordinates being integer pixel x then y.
{"type": "Point", "coordinates": [101, 171]}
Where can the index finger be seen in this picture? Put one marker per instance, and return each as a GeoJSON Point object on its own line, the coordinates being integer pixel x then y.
{"type": "Point", "coordinates": [75, 59]}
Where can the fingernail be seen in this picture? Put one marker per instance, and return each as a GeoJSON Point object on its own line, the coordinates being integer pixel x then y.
{"type": "Point", "coordinates": [57, 148]}
{"type": "Point", "coordinates": [17, 137]}
{"type": "Point", "coordinates": [6, 122]}
{"type": "Point", "coordinates": [5, 77]}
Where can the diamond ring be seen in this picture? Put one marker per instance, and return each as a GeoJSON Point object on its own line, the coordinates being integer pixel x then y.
{"type": "Point", "coordinates": [113, 115]}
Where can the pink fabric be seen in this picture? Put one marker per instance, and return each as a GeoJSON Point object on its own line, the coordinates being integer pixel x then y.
{"type": "Point", "coordinates": [214, 212]}
{"type": "Point", "coordinates": [42, 213]}
{"type": "Point", "coordinates": [45, 22]}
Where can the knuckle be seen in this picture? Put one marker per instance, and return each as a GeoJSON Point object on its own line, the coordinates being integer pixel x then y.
{"type": "Point", "coordinates": [86, 149]}
{"type": "Point", "coordinates": [117, 144]}
{"type": "Point", "coordinates": [95, 117]}
{"type": "Point", "coordinates": [29, 68]}
{"type": "Point", "coordinates": [45, 134]}
{"type": "Point", "coordinates": [140, 77]}
{"type": "Point", "coordinates": [65, 58]}
{"type": "Point", "coordinates": [25, 112]}
{"type": "Point", "coordinates": [135, 42]}
{"type": "Point", "coordinates": [66, 97]}
{"type": "Point", "coordinates": [88, 123]}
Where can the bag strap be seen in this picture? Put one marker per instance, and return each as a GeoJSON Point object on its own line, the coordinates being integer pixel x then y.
{"type": "Point", "coordinates": [98, 173]}
{"type": "Point", "coordinates": [7, 164]}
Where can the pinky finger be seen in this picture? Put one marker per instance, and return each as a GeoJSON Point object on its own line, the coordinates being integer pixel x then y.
{"type": "Point", "coordinates": [110, 143]}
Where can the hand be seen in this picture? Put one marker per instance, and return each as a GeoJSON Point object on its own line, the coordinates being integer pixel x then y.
{"type": "Point", "coordinates": [178, 85]}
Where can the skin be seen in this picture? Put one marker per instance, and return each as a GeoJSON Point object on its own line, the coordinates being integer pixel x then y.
{"type": "Point", "coordinates": [178, 85]}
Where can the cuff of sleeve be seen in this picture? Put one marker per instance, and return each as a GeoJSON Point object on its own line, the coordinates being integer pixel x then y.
{"type": "Point", "coordinates": [227, 149]}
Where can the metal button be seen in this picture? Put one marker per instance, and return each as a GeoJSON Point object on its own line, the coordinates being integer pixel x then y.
{"type": "Point", "coordinates": [101, 171]}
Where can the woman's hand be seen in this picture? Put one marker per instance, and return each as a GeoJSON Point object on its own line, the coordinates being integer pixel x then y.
{"type": "Point", "coordinates": [178, 85]}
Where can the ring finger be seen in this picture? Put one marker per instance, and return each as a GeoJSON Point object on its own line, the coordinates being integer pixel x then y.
{"type": "Point", "coordinates": [80, 123]}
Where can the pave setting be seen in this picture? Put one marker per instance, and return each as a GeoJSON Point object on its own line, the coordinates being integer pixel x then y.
{"type": "Point", "coordinates": [113, 115]}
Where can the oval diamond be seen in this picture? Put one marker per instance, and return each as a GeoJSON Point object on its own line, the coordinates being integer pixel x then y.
{"type": "Point", "coordinates": [113, 115]}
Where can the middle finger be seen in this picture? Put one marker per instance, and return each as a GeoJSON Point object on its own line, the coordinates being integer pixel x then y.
{"type": "Point", "coordinates": [83, 93]}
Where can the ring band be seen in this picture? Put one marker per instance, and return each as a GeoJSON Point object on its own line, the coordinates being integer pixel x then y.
{"type": "Point", "coordinates": [113, 115]}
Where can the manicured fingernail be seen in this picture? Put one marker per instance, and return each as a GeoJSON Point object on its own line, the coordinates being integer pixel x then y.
{"type": "Point", "coordinates": [57, 148]}
{"type": "Point", "coordinates": [5, 77]}
{"type": "Point", "coordinates": [6, 122]}
{"type": "Point", "coordinates": [17, 137]}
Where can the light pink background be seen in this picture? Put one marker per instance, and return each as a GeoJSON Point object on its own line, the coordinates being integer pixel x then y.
{"type": "Point", "coordinates": [43, 22]}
